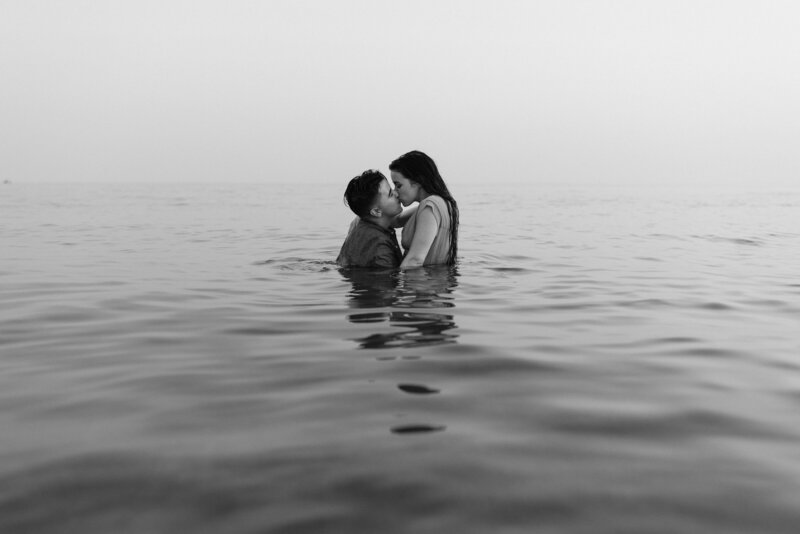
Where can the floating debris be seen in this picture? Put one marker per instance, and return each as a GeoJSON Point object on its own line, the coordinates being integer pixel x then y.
{"type": "Point", "coordinates": [417, 429]}
{"type": "Point", "coordinates": [417, 389]}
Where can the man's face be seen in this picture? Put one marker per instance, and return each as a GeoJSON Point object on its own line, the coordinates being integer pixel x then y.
{"type": "Point", "coordinates": [387, 200]}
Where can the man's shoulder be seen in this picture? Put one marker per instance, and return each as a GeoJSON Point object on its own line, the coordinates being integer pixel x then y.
{"type": "Point", "coordinates": [366, 226]}
{"type": "Point", "coordinates": [369, 245]}
{"type": "Point", "coordinates": [369, 229]}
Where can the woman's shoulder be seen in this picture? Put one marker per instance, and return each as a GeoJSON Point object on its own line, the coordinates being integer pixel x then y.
{"type": "Point", "coordinates": [437, 206]}
{"type": "Point", "coordinates": [433, 200]}
{"type": "Point", "coordinates": [436, 202]}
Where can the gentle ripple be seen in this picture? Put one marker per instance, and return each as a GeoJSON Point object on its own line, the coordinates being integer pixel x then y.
{"type": "Point", "coordinates": [190, 359]}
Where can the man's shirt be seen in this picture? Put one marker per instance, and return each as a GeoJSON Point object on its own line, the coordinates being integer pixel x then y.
{"type": "Point", "coordinates": [369, 245]}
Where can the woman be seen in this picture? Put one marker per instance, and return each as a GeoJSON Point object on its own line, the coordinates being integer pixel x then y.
{"type": "Point", "coordinates": [430, 235]}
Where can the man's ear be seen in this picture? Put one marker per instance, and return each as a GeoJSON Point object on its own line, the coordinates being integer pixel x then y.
{"type": "Point", "coordinates": [376, 212]}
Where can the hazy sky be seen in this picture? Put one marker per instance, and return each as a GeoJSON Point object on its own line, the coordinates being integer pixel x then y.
{"type": "Point", "coordinates": [277, 91]}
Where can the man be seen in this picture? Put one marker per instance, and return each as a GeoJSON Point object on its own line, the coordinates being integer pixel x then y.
{"type": "Point", "coordinates": [372, 241]}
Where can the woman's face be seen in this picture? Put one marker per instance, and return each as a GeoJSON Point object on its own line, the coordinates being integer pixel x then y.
{"type": "Point", "coordinates": [407, 190]}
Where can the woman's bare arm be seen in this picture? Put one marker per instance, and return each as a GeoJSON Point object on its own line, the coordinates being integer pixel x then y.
{"type": "Point", "coordinates": [424, 234]}
{"type": "Point", "coordinates": [401, 220]}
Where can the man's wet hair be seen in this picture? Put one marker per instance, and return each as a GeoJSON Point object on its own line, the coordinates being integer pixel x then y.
{"type": "Point", "coordinates": [362, 190]}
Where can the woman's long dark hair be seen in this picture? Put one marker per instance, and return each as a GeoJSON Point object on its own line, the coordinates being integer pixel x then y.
{"type": "Point", "coordinates": [420, 168]}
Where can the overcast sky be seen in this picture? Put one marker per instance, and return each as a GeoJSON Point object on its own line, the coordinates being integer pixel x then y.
{"type": "Point", "coordinates": [652, 92]}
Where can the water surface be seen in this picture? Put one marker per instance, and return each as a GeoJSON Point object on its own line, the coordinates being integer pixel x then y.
{"type": "Point", "coordinates": [187, 358]}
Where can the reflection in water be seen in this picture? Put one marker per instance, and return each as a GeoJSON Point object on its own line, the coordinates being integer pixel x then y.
{"type": "Point", "coordinates": [372, 288]}
{"type": "Point", "coordinates": [428, 287]}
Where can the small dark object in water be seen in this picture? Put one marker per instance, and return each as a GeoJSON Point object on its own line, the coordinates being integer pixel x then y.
{"type": "Point", "coordinates": [417, 389]}
{"type": "Point", "coordinates": [416, 429]}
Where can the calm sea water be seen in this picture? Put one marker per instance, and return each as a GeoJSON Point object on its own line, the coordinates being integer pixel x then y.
{"type": "Point", "coordinates": [187, 358]}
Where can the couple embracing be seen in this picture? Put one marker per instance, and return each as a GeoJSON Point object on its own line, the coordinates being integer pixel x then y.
{"type": "Point", "coordinates": [430, 229]}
